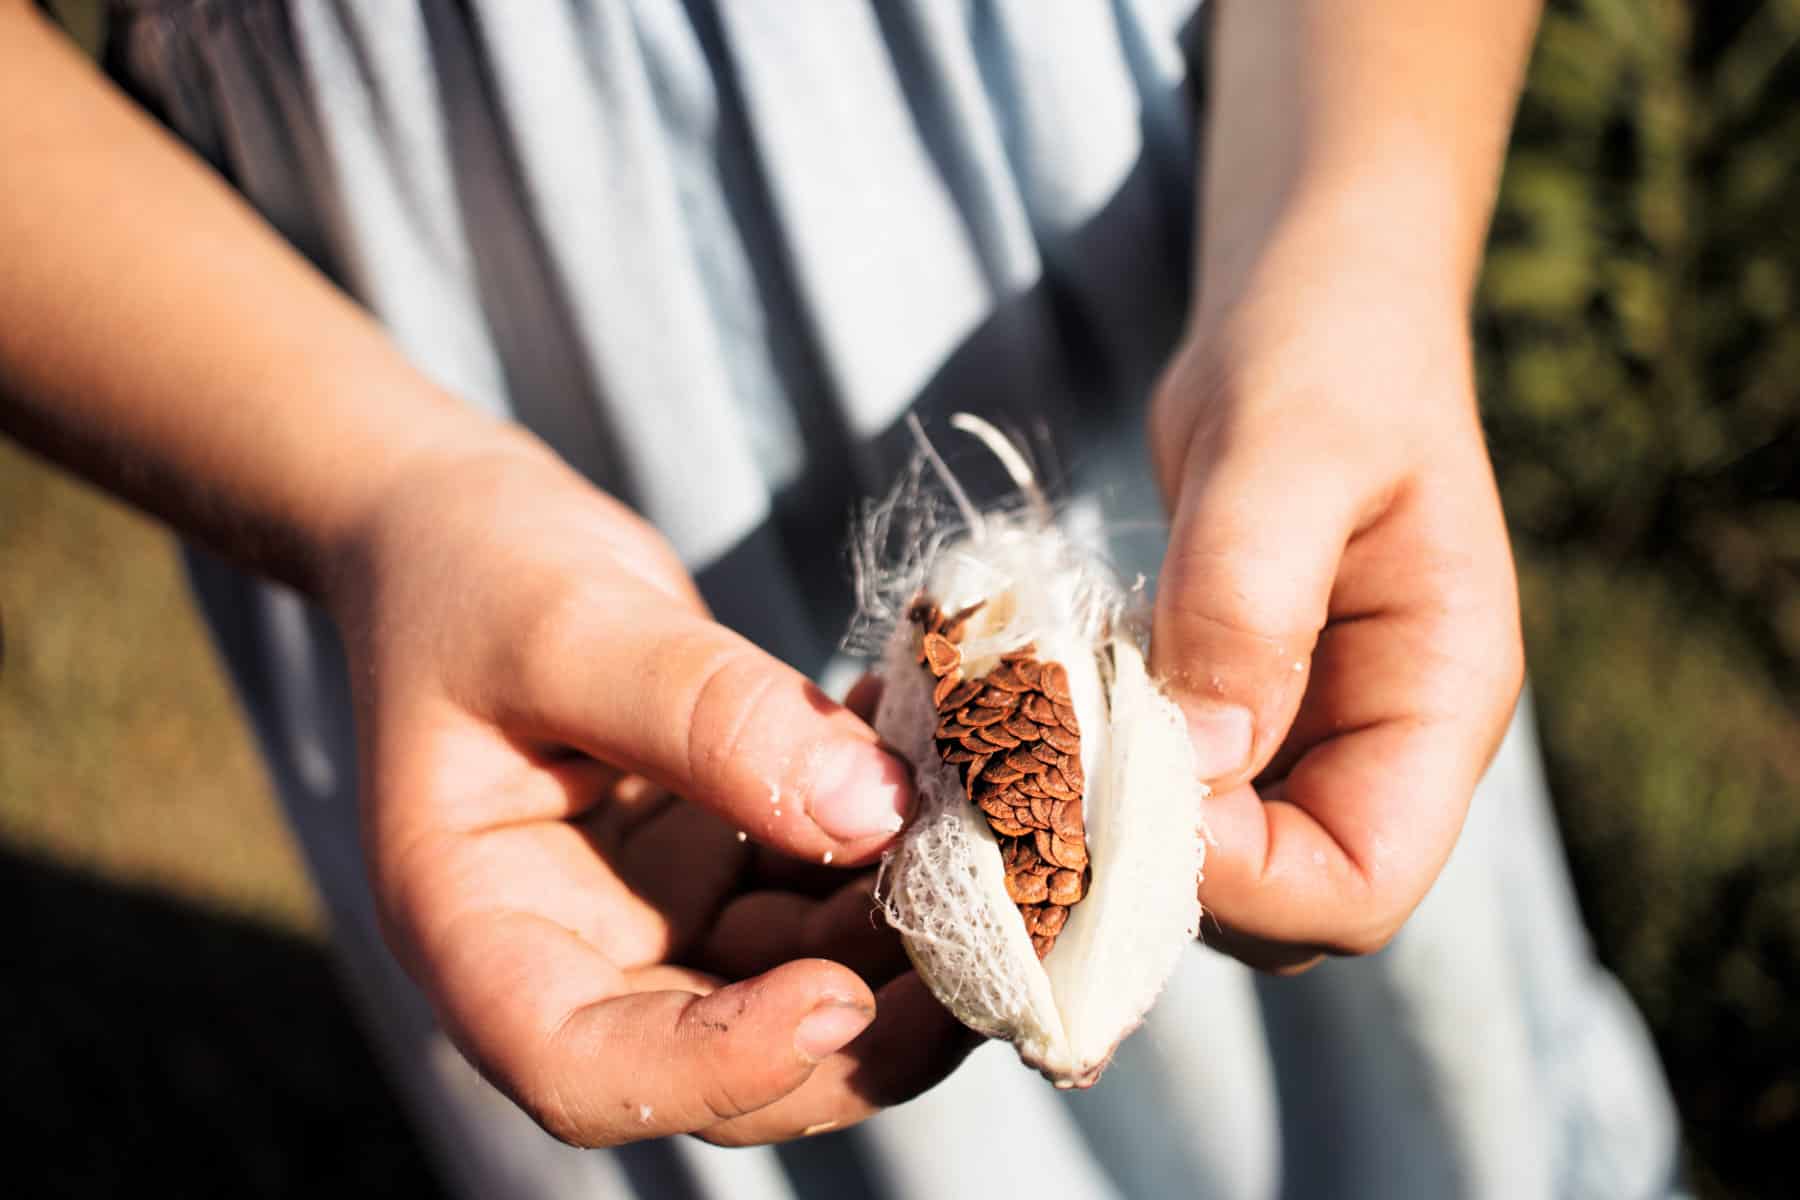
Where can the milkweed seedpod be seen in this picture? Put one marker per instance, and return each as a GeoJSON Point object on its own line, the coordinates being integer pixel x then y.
{"type": "Point", "coordinates": [1047, 883]}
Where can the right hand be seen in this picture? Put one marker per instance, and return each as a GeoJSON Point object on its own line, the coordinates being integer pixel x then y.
{"type": "Point", "coordinates": [540, 695]}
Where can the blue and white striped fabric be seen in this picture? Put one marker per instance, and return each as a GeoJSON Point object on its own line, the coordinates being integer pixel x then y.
{"type": "Point", "coordinates": [712, 251]}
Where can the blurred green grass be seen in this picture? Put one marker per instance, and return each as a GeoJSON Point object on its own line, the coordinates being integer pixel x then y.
{"type": "Point", "coordinates": [1640, 367]}
{"type": "Point", "coordinates": [121, 752]}
{"type": "Point", "coordinates": [169, 1015]}
{"type": "Point", "coordinates": [1640, 370]}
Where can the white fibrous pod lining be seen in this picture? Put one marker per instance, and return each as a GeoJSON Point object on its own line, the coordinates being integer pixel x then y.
{"type": "Point", "coordinates": [1147, 835]}
{"type": "Point", "coordinates": [944, 886]}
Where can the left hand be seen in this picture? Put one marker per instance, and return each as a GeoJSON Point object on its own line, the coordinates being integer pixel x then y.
{"type": "Point", "coordinates": [1337, 612]}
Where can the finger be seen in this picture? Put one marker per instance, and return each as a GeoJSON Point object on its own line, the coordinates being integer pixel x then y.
{"type": "Point", "coordinates": [1423, 624]}
{"type": "Point", "coordinates": [1337, 854]}
{"type": "Point", "coordinates": [558, 1028]}
{"type": "Point", "coordinates": [1273, 958]}
{"type": "Point", "coordinates": [1385, 668]}
{"type": "Point", "coordinates": [758, 931]}
{"type": "Point", "coordinates": [863, 696]}
{"type": "Point", "coordinates": [711, 717]}
{"type": "Point", "coordinates": [682, 863]}
{"type": "Point", "coordinates": [1411, 689]}
{"type": "Point", "coordinates": [912, 1045]}
{"type": "Point", "coordinates": [1254, 549]}
{"type": "Point", "coordinates": [770, 870]}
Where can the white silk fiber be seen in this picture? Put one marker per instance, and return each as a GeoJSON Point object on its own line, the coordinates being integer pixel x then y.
{"type": "Point", "coordinates": [943, 886]}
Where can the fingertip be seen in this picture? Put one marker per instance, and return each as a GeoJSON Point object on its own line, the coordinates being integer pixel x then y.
{"type": "Point", "coordinates": [864, 696]}
{"type": "Point", "coordinates": [826, 1005]}
{"type": "Point", "coordinates": [912, 1045]}
{"type": "Point", "coordinates": [857, 793]}
{"type": "Point", "coordinates": [805, 983]}
{"type": "Point", "coordinates": [1222, 735]}
{"type": "Point", "coordinates": [829, 1027]}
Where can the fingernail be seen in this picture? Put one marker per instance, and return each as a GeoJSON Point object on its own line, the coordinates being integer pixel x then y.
{"type": "Point", "coordinates": [829, 1028]}
{"type": "Point", "coordinates": [859, 791]}
{"type": "Point", "coordinates": [1221, 735]}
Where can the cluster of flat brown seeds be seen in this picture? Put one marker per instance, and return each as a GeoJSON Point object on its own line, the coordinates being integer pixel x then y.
{"type": "Point", "coordinates": [1013, 735]}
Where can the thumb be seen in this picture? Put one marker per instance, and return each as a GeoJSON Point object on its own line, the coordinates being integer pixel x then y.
{"type": "Point", "coordinates": [600, 1056]}
{"type": "Point", "coordinates": [1254, 548]}
{"type": "Point", "coordinates": [709, 716]}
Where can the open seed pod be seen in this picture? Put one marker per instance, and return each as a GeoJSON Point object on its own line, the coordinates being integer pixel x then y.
{"type": "Point", "coordinates": [1047, 883]}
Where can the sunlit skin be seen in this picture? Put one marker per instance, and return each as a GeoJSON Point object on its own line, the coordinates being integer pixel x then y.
{"type": "Point", "coordinates": [1338, 568]}
{"type": "Point", "coordinates": [536, 678]}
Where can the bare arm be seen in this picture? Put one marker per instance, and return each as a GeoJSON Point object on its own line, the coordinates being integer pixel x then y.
{"type": "Point", "coordinates": [156, 336]}
{"type": "Point", "coordinates": [1337, 608]}
{"type": "Point", "coordinates": [1372, 128]}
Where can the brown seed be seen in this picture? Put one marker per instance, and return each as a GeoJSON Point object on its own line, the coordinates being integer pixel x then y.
{"type": "Point", "coordinates": [1042, 812]}
{"type": "Point", "coordinates": [1025, 888]}
{"type": "Point", "coordinates": [1021, 760]}
{"type": "Point", "coordinates": [1040, 709]}
{"type": "Point", "coordinates": [1023, 727]}
{"type": "Point", "coordinates": [1047, 754]}
{"type": "Point", "coordinates": [1022, 815]}
{"type": "Point", "coordinates": [955, 754]}
{"type": "Point", "coordinates": [1065, 819]}
{"type": "Point", "coordinates": [1062, 739]}
{"type": "Point", "coordinates": [1043, 945]}
{"type": "Point", "coordinates": [941, 654]}
{"type": "Point", "coordinates": [1068, 853]}
{"type": "Point", "coordinates": [972, 772]}
{"type": "Point", "coordinates": [995, 802]}
{"type": "Point", "coordinates": [944, 689]}
{"type": "Point", "coordinates": [998, 738]}
{"type": "Point", "coordinates": [995, 799]}
{"type": "Point", "coordinates": [998, 772]}
{"type": "Point", "coordinates": [996, 697]}
{"type": "Point", "coordinates": [1025, 653]}
{"type": "Point", "coordinates": [1030, 672]}
{"type": "Point", "coordinates": [1065, 887]}
{"type": "Point", "coordinates": [1052, 916]}
{"type": "Point", "coordinates": [950, 728]}
{"type": "Point", "coordinates": [1004, 678]}
{"type": "Point", "coordinates": [1056, 785]}
{"type": "Point", "coordinates": [1065, 716]}
{"type": "Point", "coordinates": [1071, 770]}
{"type": "Point", "coordinates": [1054, 681]}
{"type": "Point", "coordinates": [972, 742]}
{"type": "Point", "coordinates": [976, 717]}
{"type": "Point", "coordinates": [1007, 827]}
{"type": "Point", "coordinates": [964, 692]}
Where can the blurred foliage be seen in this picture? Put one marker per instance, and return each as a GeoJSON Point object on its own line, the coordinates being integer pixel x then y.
{"type": "Point", "coordinates": [1640, 359]}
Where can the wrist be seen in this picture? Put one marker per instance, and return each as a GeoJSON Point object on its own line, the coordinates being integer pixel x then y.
{"type": "Point", "coordinates": [1352, 361]}
{"type": "Point", "coordinates": [1332, 256]}
{"type": "Point", "coordinates": [419, 449]}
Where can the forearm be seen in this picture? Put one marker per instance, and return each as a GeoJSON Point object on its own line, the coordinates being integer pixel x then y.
{"type": "Point", "coordinates": [1355, 133]}
{"type": "Point", "coordinates": [159, 338]}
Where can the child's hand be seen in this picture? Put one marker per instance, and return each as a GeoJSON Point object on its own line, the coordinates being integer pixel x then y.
{"type": "Point", "coordinates": [1337, 610]}
{"type": "Point", "coordinates": [537, 682]}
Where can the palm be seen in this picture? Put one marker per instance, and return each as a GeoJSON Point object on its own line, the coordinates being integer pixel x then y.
{"type": "Point", "coordinates": [538, 683]}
